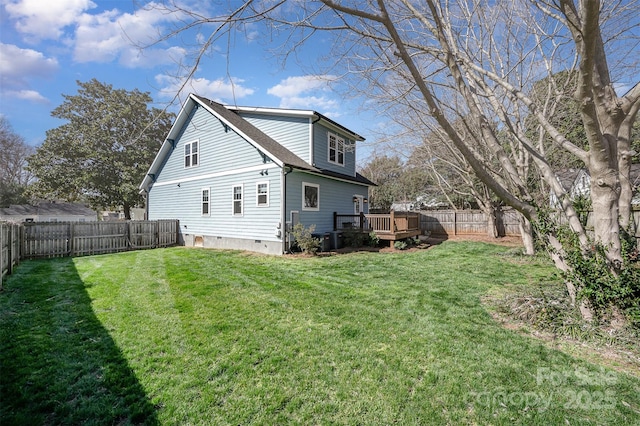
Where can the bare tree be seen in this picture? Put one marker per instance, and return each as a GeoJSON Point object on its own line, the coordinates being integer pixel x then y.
{"type": "Point", "coordinates": [479, 59]}
{"type": "Point", "coordinates": [14, 178]}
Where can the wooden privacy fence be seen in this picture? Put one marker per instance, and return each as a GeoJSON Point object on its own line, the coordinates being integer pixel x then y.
{"type": "Point", "coordinates": [468, 222]}
{"type": "Point", "coordinates": [9, 248]}
{"type": "Point", "coordinates": [59, 239]}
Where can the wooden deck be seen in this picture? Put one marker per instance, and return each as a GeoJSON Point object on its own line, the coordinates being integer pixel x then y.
{"type": "Point", "coordinates": [393, 226]}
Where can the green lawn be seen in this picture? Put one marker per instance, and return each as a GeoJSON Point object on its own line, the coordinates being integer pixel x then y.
{"type": "Point", "coordinates": [187, 336]}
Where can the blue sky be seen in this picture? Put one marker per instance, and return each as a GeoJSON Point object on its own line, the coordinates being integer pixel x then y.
{"type": "Point", "coordinates": [47, 45]}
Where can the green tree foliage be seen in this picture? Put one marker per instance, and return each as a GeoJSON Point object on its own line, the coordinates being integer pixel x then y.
{"type": "Point", "coordinates": [396, 181]}
{"type": "Point", "coordinates": [103, 151]}
{"type": "Point", "coordinates": [13, 158]}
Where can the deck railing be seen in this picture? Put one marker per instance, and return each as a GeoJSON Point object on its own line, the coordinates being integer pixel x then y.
{"type": "Point", "coordinates": [350, 221]}
{"type": "Point", "coordinates": [391, 222]}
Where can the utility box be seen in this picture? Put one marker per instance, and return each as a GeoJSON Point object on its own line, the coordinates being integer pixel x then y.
{"type": "Point", "coordinates": [325, 242]}
{"type": "Point", "coordinates": [336, 240]}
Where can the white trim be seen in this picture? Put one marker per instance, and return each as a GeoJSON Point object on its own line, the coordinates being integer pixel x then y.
{"type": "Point", "coordinates": [338, 140]}
{"type": "Point", "coordinates": [233, 199]}
{"type": "Point", "coordinates": [215, 175]}
{"type": "Point", "coordinates": [313, 116]}
{"type": "Point", "coordinates": [266, 182]}
{"type": "Point", "coordinates": [208, 189]}
{"type": "Point", "coordinates": [311, 153]}
{"type": "Point", "coordinates": [317, 207]}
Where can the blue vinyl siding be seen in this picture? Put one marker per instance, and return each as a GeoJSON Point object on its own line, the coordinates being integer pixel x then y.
{"type": "Point", "coordinates": [177, 192]}
{"type": "Point", "coordinates": [335, 196]}
{"type": "Point", "coordinates": [184, 202]}
{"type": "Point", "coordinates": [290, 132]}
{"type": "Point", "coordinates": [321, 151]}
{"type": "Point", "coordinates": [220, 149]}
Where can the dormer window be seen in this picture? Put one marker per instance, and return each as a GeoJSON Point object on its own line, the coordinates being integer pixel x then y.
{"type": "Point", "coordinates": [336, 149]}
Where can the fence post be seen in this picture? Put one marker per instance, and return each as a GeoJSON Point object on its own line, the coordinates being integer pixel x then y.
{"type": "Point", "coordinates": [10, 251]}
{"type": "Point", "coordinates": [2, 226]}
{"type": "Point", "coordinates": [455, 222]}
{"type": "Point", "coordinates": [71, 237]}
{"type": "Point", "coordinates": [392, 221]}
{"type": "Point", "coordinates": [335, 221]}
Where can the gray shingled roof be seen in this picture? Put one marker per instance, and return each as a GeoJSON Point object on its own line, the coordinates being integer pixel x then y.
{"type": "Point", "coordinates": [47, 209]}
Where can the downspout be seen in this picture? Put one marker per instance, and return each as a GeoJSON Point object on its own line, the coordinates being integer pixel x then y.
{"type": "Point", "coordinates": [283, 215]}
{"type": "Point", "coordinates": [311, 144]}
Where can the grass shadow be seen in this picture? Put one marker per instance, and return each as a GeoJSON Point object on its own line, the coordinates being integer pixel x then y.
{"type": "Point", "coordinates": [58, 364]}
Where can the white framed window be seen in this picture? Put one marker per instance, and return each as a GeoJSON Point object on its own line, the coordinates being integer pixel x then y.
{"type": "Point", "coordinates": [336, 149]}
{"type": "Point", "coordinates": [310, 196]}
{"type": "Point", "coordinates": [191, 154]}
{"type": "Point", "coordinates": [237, 200]}
{"type": "Point", "coordinates": [262, 194]}
{"type": "Point", "coordinates": [206, 202]}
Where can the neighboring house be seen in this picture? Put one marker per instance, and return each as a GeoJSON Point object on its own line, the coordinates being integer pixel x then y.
{"type": "Point", "coordinates": [574, 181]}
{"type": "Point", "coordinates": [48, 212]}
{"type": "Point", "coordinates": [137, 213]}
{"type": "Point", "coordinates": [236, 177]}
{"type": "Point", "coordinates": [577, 182]}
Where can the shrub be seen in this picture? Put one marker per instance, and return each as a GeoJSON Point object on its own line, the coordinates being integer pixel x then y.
{"type": "Point", "coordinates": [305, 239]}
{"type": "Point", "coordinates": [354, 238]}
{"type": "Point", "coordinates": [604, 290]}
{"type": "Point", "coordinates": [400, 245]}
{"type": "Point", "coordinates": [374, 240]}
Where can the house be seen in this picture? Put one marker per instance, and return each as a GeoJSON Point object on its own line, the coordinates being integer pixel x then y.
{"type": "Point", "coordinates": [577, 182]}
{"type": "Point", "coordinates": [48, 212]}
{"type": "Point", "coordinates": [239, 177]}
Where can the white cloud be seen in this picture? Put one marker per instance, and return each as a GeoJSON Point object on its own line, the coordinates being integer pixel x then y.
{"type": "Point", "coordinates": [100, 37]}
{"type": "Point", "coordinates": [40, 21]}
{"type": "Point", "coordinates": [305, 92]}
{"type": "Point", "coordinates": [219, 90]}
{"type": "Point", "coordinates": [16, 62]}
{"type": "Point", "coordinates": [113, 35]}
{"type": "Point", "coordinates": [17, 65]}
{"type": "Point", "coordinates": [28, 95]}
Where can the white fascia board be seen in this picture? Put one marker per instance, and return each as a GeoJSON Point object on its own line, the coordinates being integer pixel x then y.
{"type": "Point", "coordinates": [273, 111]}
{"type": "Point", "coordinates": [166, 147]}
{"type": "Point", "coordinates": [313, 115]}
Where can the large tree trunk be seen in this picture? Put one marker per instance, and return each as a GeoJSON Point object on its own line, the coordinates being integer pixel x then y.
{"type": "Point", "coordinates": [127, 211]}
{"type": "Point", "coordinates": [526, 233]}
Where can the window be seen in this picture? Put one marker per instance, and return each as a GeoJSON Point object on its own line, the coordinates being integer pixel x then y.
{"type": "Point", "coordinates": [191, 154]}
{"type": "Point", "coordinates": [336, 149]}
{"type": "Point", "coordinates": [205, 202]}
{"type": "Point", "coordinates": [310, 196]}
{"type": "Point", "coordinates": [237, 200]}
{"type": "Point", "coordinates": [262, 194]}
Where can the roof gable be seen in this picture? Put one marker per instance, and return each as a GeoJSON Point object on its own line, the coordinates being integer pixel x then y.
{"type": "Point", "coordinates": [256, 137]}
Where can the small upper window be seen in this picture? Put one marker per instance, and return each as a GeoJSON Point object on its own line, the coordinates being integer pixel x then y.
{"type": "Point", "coordinates": [310, 196]}
{"type": "Point", "coordinates": [205, 202]}
{"type": "Point", "coordinates": [262, 194]}
{"type": "Point", "coordinates": [336, 149]}
{"type": "Point", "coordinates": [237, 200]}
{"type": "Point", "coordinates": [191, 154]}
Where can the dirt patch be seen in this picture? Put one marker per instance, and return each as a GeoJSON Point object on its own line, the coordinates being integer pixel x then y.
{"type": "Point", "coordinates": [619, 358]}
